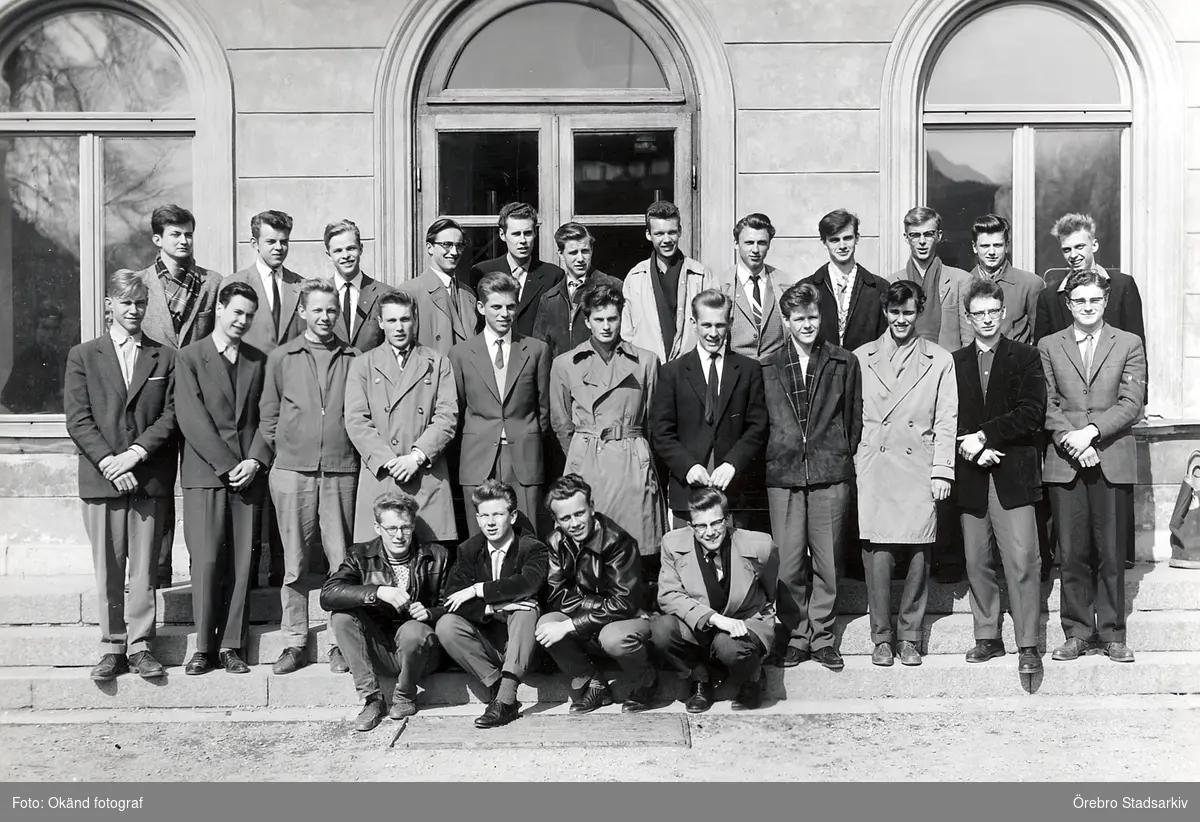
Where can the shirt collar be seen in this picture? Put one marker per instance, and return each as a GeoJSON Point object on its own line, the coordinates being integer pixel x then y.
{"type": "Point", "coordinates": [120, 335]}
{"type": "Point", "coordinates": [1002, 274]}
{"type": "Point", "coordinates": [836, 273]}
{"type": "Point", "coordinates": [1081, 335]}
{"type": "Point", "coordinates": [223, 343]}
{"type": "Point", "coordinates": [800, 356]}
{"type": "Point", "coordinates": [981, 348]}
{"type": "Point", "coordinates": [502, 549]}
{"type": "Point", "coordinates": [705, 356]}
{"type": "Point", "coordinates": [264, 270]}
{"type": "Point", "coordinates": [443, 277]}
{"type": "Point", "coordinates": [513, 264]}
{"type": "Point", "coordinates": [744, 274]}
{"type": "Point", "coordinates": [491, 337]}
{"type": "Point", "coordinates": [355, 282]}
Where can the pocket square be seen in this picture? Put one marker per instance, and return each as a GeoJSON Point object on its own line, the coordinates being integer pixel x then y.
{"type": "Point", "coordinates": [152, 379]}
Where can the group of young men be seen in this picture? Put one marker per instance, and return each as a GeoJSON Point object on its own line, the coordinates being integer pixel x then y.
{"type": "Point", "coordinates": [572, 414]}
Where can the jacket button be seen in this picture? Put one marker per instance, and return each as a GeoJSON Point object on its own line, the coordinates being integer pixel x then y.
{"type": "Point", "coordinates": [885, 422]}
{"type": "Point", "coordinates": [908, 450]}
{"type": "Point", "coordinates": [377, 380]}
{"type": "Point", "coordinates": [395, 441]}
{"type": "Point", "coordinates": [437, 336]}
{"type": "Point", "coordinates": [429, 382]}
{"type": "Point", "coordinates": [883, 448]}
{"type": "Point", "coordinates": [420, 410]}
{"type": "Point", "coordinates": [910, 424]}
{"type": "Point", "coordinates": [1085, 390]}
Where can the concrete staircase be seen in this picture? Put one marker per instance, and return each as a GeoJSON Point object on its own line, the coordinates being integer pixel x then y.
{"type": "Point", "coordinates": [48, 642]}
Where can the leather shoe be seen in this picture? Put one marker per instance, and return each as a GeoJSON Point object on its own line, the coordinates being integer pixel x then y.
{"type": "Point", "coordinates": [908, 653]}
{"type": "Point", "coordinates": [198, 664]}
{"type": "Point", "coordinates": [499, 713]}
{"type": "Point", "coordinates": [596, 695]}
{"type": "Point", "coordinates": [337, 662]}
{"type": "Point", "coordinates": [701, 699]}
{"type": "Point", "coordinates": [830, 658]}
{"type": "Point", "coordinates": [882, 655]}
{"type": "Point", "coordinates": [292, 659]}
{"type": "Point", "coordinates": [750, 695]}
{"type": "Point", "coordinates": [1073, 648]}
{"type": "Point", "coordinates": [232, 663]}
{"type": "Point", "coordinates": [1117, 651]}
{"type": "Point", "coordinates": [146, 665]}
{"type": "Point", "coordinates": [402, 707]}
{"type": "Point", "coordinates": [110, 667]}
{"type": "Point", "coordinates": [790, 658]}
{"type": "Point", "coordinates": [1029, 662]}
{"type": "Point", "coordinates": [641, 699]}
{"type": "Point", "coordinates": [371, 714]}
{"type": "Point", "coordinates": [986, 649]}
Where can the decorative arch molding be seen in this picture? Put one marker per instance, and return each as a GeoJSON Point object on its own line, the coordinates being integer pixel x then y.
{"type": "Point", "coordinates": [1156, 155]}
{"type": "Point", "coordinates": [211, 87]}
{"type": "Point", "coordinates": [396, 90]}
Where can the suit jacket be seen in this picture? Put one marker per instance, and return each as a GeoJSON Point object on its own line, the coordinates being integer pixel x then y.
{"type": "Point", "coordinates": [522, 574]}
{"type": "Point", "coordinates": [1021, 291]}
{"type": "Point", "coordinates": [757, 343]}
{"type": "Point", "coordinates": [540, 278]}
{"type": "Point", "coordinates": [559, 322]}
{"type": "Point", "coordinates": [736, 436]}
{"type": "Point", "coordinates": [200, 319]}
{"type": "Point", "coordinates": [367, 333]}
{"type": "Point", "coordinates": [953, 328]}
{"type": "Point", "coordinates": [1112, 400]}
{"type": "Point", "coordinates": [865, 321]}
{"type": "Point", "coordinates": [640, 324]}
{"type": "Point", "coordinates": [219, 421]}
{"type": "Point", "coordinates": [752, 582]}
{"type": "Point", "coordinates": [263, 334]}
{"type": "Point", "coordinates": [1124, 309]}
{"type": "Point", "coordinates": [105, 419]}
{"type": "Point", "coordinates": [520, 408]}
{"type": "Point", "coordinates": [435, 328]}
{"type": "Point", "coordinates": [1011, 416]}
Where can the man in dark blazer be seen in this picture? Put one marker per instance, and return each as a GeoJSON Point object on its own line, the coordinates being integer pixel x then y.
{"type": "Point", "coordinates": [219, 384]}
{"type": "Point", "coordinates": [491, 602]}
{"type": "Point", "coordinates": [445, 306]}
{"type": "Point", "coordinates": [119, 402]}
{"type": "Point", "coordinates": [998, 477]}
{"type": "Point", "coordinates": [518, 229]}
{"type": "Point", "coordinates": [708, 417]}
{"type": "Point", "coordinates": [358, 321]}
{"type": "Point", "coordinates": [851, 311]}
{"type": "Point", "coordinates": [560, 322]}
{"type": "Point", "coordinates": [1096, 391]}
{"type": "Point", "coordinates": [503, 381]}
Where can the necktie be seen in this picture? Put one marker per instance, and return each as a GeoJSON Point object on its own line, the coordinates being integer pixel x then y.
{"type": "Point", "coordinates": [572, 287]}
{"type": "Point", "coordinates": [499, 354]}
{"type": "Point", "coordinates": [346, 309]}
{"type": "Point", "coordinates": [275, 300]}
{"type": "Point", "coordinates": [1088, 350]}
{"type": "Point", "coordinates": [710, 393]}
{"type": "Point", "coordinates": [456, 321]}
{"type": "Point", "coordinates": [516, 275]}
{"type": "Point", "coordinates": [230, 354]}
{"type": "Point", "coordinates": [756, 307]}
{"type": "Point", "coordinates": [710, 557]}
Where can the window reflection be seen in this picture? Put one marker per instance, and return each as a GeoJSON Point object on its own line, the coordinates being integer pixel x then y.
{"type": "Point", "coordinates": [1078, 170]}
{"type": "Point", "coordinates": [623, 172]}
{"type": "Point", "coordinates": [969, 174]}
{"type": "Point", "coordinates": [481, 171]}
{"type": "Point", "coordinates": [619, 248]}
{"type": "Point", "coordinates": [141, 174]}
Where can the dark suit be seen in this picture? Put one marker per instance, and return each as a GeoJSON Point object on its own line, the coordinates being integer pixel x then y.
{"type": "Point", "coordinates": [865, 321]}
{"type": "Point", "coordinates": [540, 278]}
{"type": "Point", "coordinates": [218, 418]}
{"type": "Point", "coordinates": [105, 418]}
{"type": "Point", "coordinates": [367, 333]}
{"type": "Point", "coordinates": [996, 504]}
{"type": "Point", "coordinates": [264, 334]}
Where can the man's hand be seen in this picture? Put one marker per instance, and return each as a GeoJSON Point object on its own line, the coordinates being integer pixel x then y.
{"type": "Point", "coordinates": [940, 489]}
{"type": "Point", "coordinates": [551, 632]}
{"type": "Point", "coordinates": [969, 445]}
{"type": "Point", "coordinates": [696, 475]}
{"type": "Point", "coordinates": [403, 468]}
{"type": "Point", "coordinates": [460, 598]}
{"type": "Point", "coordinates": [519, 605]}
{"type": "Point", "coordinates": [418, 611]}
{"type": "Point", "coordinates": [113, 467]}
{"type": "Point", "coordinates": [721, 476]}
{"type": "Point", "coordinates": [1090, 457]}
{"type": "Point", "coordinates": [990, 457]}
{"type": "Point", "coordinates": [243, 474]}
{"type": "Point", "coordinates": [125, 483]}
{"type": "Point", "coordinates": [733, 627]}
{"type": "Point", "coordinates": [393, 596]}
{"type": "Point", "coordinates": [1076, 442]}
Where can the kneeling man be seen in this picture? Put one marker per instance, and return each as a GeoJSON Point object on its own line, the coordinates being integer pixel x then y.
{"type": "Point", "coordinates": [492, 607]}
{"type": "Point", "coordinates": [383, 606]}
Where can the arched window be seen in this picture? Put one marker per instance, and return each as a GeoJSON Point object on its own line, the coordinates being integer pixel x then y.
{"type": "Point", "coordinates": [579, 108]}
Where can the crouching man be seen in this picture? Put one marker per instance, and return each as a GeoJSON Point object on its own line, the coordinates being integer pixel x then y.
{"type": "Point", "coordinates": [383, 606]}
{"type": "Point", "coordinates": [491, 606]}
{"type": "Point", "coordinates": [596, 585]}
{"type": "Point", "coordinates": [716, 590]}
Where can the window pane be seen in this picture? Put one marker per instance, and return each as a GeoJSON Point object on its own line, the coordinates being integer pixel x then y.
{"type": "Point", "coordinates": [483, 243]}
{"type": "Point", "coordinates": [92, 61]}
{"type": "Point", "coordinates": [556, 45]}
{"type": "Point", "coordinates": [1062, 61]}
{"type": "Point", "coordinates": [1078, 170]}
{"type": "Point", "coordinates": [968, 174]}
{"type": "Point", "coordinates": [623, 172]}
{"type": "Point", "coordinates": [39, 270]}
{"type": "Point", "coordinates": [141, 174]}
{"type": "Point", "coordinates": [481, 171]}
{"type": "Point", "coordinates": [619, 248]}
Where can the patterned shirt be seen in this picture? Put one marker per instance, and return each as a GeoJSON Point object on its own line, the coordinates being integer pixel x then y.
{"type": "Point", "coordinates": [800, 382]}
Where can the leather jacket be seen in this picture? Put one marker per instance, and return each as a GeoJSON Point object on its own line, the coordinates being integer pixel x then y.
{"type": "Point", "coordinates": [597, 582]}
{"type": "Point", "coordinates": [353, 585]}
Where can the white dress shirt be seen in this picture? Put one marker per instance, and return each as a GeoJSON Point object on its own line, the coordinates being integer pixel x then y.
{"type": "Point", "coordinates": [514, 267]}
{"type": "Point", "coordinates": [266, 275]}
{"type": "Point", "coordinates": [491, 339]}
{"type": "Point", "coordinates": [128, 350]}
{"type": "Point", "coordinates": [705, 359]}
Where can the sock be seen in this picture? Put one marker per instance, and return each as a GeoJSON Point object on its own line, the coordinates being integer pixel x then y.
{"type": "Point", "coordinates": [506, 694]}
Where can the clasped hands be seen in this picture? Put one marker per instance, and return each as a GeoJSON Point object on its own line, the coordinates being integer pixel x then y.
{"type": "Point", "coordinates": [970, 446]}
{"type": "Point", "coordinates": [117, 469]}
{"type": "Point", "coordinates": [400, 600]}
{"type": "Point", "coordinates": [720, 477]}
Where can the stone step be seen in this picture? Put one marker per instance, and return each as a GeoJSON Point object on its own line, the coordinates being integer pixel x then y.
{"type": "Point", "coordinates": [941, 677]}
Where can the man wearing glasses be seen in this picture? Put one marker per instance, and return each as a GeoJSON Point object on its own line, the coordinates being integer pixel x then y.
{"type": "Point", "coordinates": [444, 304]}
{"type": "Point", "coordinates": [944, 320]}
{"type": "Point", "coordinates": [384, 603]}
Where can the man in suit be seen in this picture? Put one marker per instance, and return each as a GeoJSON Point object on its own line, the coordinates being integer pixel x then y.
{"type": "Point", "coordinates": [998, 477]}
{"type": "Point", "coordinates": [659, 290]}
{"type": "Point", "coordinates": [358, 321]}
{"type": "Point", "coordinates": [491, 602]}
{"type": "Point", "coordinates": [717, 594]}
{"type": "Point", "coordinates": [1096, 391]}
{"type": "Point", "coordinates": [755, 328]}
{"type": "Point", "coordinates": [708, 416]}
{"type": "Point", "coordinates": [560, 322]}
{"type": "Point", "coordinates": [851, 310]}
{"type": "Point", "coordinates": [383, 604]}
{"type": "Point", "coordinates": [445, 305]}
{"type": "Point", "coordinates": [518, 230]}
{"type": "Point", "coordinates": [181, 309]}
{"type": "Point", "coordinates": [219, 381]}
{"type": "Point", "coordinates": [944, 320]}
{"type": "Point", "coordinates": [120, 408]}
{"type": "Point", "coordinates": [990, 241]}
{"type": "Point", "coordinates": [503, 381]}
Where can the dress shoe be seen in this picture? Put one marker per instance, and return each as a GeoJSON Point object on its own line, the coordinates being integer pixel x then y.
{"type": "Point", "coordinates": [830, 658]}
{"type": "Point", "coordinates": [110, 667]}
{"type": "Point", "coordinates": [1029, 662]}
{"type": "Point", "coordinates": [499, 713]}
{"type": "Point", "coordinates": [882, 655]}
{"type": "Point", "coordinates": [401, 707]}
{"type": "Point", "coordinates": [1117, 651]}
{"type": "Point", "coordinates": [337, 662]}
{"type": "Point", "coordinates": [641, 699]}
{"type": "Point", "coordinates": [908, 653]}
{"type": "Point", "coordinates": [292, 659]}
{"type": "Point", "coordinates": [1073, 648]}
{"type": "Point", "coordinates": [701, 699]}
{"type": "Point", "coordinates": [146, 666]}
{"type": "Point", "coordinates": [232, 663]}
{"type": "Point", "coordinates": [750, 695]}
{"type": "Point", "coordinates": [790, 658]}
{"type": "Point", "coordinates": [596, 695]}
{"type": "Point", "coordinates": [371, 714]}
{"type": "Point", "coordinates": [198, 664]}
{"type": "Point", "coordinates": [986, 649]}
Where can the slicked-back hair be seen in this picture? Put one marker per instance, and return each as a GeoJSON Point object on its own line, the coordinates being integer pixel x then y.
{"type": "Point", "coordinates": [712, 298]}
{"type": "Point", "coordinates": [990, 224]}
{"type": "Point", "coordinates": [496, 283]}
{"type": "Point", "coordinates": [341, 227]}
{"type": "Point", "coordinates": [236, 288]}
{"type": "Point", "coordinates": [707, 498]}
{"type": "Point", "coordinates": [125, 283]}
{"type": "Point", "coordinates": [277, 220]}
{"type": "Point", "coordinates": [397, 297]}
{"type": "Point", "coordinates": [566, 487]}
{"type": "Point", "coordinates": [835, 223]}
{"type": "Point", "coordinates": [1077, 279]}
{"type": "Point", "coordinates": [1068, 224]}
{"type": "Point", "coordinates": [172, 214]}
{"type": "Point", "coordinates": [922, 214]}
{"type": "Point", "coordinates": [309, 286]}
{"type": "Point", "coordinates": [800, 295]}
{"type": "Point", "coordinates": [397, 502]}
{"type": "Point", "coordinates": [493, 490]}
{"type": "Point", "coordinates": [663, 210]}
{"type": "Point", "coordinates": [900, 292]}
{"type": "Point", "coordinates": [599, 297]}
{"type": "Point", "coordinates": [517, 211]}
{"type": "Point", "coordinates": [757, 222]}
{"type": "Point", "coordinates": [984, 289]}
{"type": "Point", "coordinates": [439, 225]}
{"type": "Point", "coordinates": [568, 232]}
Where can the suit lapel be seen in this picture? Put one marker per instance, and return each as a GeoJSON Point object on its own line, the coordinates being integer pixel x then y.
{"type": "Point", "coordinates": [416, 365]}
{"type": "Point", "coordinates": [533, 287]}
{"type": "Point", "coordinates": [741, 575]}
{"type": "Point", "coordinates": [920, 363]}
{"type": "Point", "coordinates": [518, 356]}
{"type": "Point", "coordinates": [158, 302]}
{"type": "Point", "coordinates": [193, 309]}
{"type": "Point", "coordinates": [690, 575]}
{"type": "Point", "coordinates": [111, 366]}
{"type": "Point", "coordinates": [289, 295]}
{"type": "Point", "coordinates": [1104, 346]}
{"type": "Point", "coordinates": [383, 360]}
{"type": "Point", "coordinates": [367, 297]}
{"type": "Point", "coordinates": [729, 381]}
{"type": "Point", "coordinates": [216, 369]}
{"type": "Point", "coordinates": [146, 361]}
{"type": "Point", "coordinates": [693, 374]}
{"type": "Point", "coordinates": [483, 364]}
{"type": "Point", "coordinates": [1071, 348]}
{"type": "Point", "coordinates": [974, 388]}
{"type": "Point", "coordinates": [245, 374]}
{"type": "Point", "coordinates": [264, 314]}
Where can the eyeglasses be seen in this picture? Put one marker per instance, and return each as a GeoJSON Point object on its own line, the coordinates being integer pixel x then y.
{"type": "Point", "coordinates": [704, 527]}
{"type": "Point", "coordinates": [448, 247]}
{"type": "Point", "coordinates": [1087, 302]}
{"type": "Point", "coordinates": [392, 530]}
{"type": "Point", "coordinates": [922, 235]}
{"type": "Point", "coordinates": [987, 313]}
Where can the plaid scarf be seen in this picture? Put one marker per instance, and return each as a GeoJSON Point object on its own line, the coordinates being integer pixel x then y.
{"type": "Point", "coordinates": [799, 383]}
{"type": "Point", "coordinates": [180, 290]}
